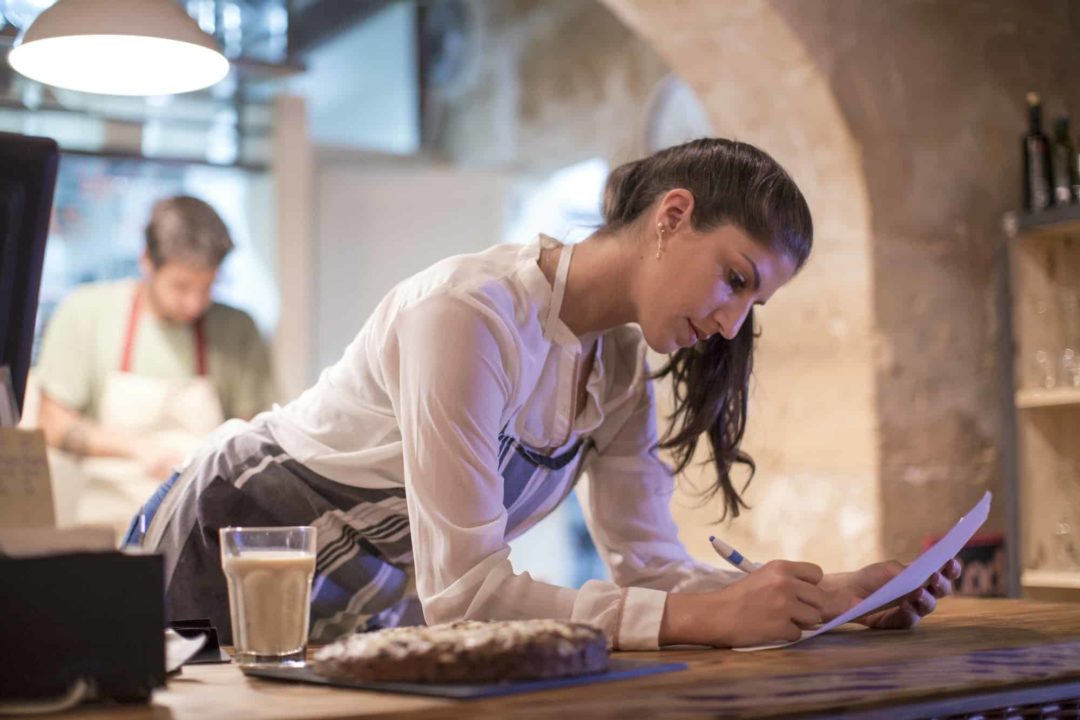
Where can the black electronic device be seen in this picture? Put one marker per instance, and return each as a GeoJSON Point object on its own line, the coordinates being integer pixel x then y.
{"type": "Point", "coordinates": [27, 181]}
{"type": "Point", "coordinates": [93, 618]}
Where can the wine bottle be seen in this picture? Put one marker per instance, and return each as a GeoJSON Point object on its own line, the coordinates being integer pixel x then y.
{"type": "Point", "coordinates": [1066, 180]}
{"type": "Point", "coordinates": [1038, 181]}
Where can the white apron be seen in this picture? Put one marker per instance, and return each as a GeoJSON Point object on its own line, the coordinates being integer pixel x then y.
{"type": "Point", "coordinates": [175, 413]}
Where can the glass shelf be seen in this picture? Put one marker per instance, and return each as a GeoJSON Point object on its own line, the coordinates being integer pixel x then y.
{"type": "Point", "coordinates": [1056, 220]}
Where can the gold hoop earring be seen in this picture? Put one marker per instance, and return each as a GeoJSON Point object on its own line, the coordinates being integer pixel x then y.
{"type": "Point", "coordinates": [659, 239]}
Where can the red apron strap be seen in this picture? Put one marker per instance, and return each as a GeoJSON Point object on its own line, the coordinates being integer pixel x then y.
{"type": "Point", "coordinates": [201, 366]}
{"type": "Point", "coordinates": [200, 349]}
{"type": "Point", "coordinates": [129, 334]}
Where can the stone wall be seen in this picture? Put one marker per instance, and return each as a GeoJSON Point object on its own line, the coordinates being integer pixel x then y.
{"type": "Point", "coordinates": [934, 93]}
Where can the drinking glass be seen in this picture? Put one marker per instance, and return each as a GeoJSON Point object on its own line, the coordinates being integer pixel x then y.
{"type": "Point", "coordinates": [1045, 358]}
{"type": "Point", "coordinates": [1045, 370]}
{"type": "Point", "coordinates": [1066, 553]}
{"type": "Point", "coordinates": [269, 571]}
{"type": "Point", "coordinates": [1070, 368]}
{"type": "Point", "coordinates": [1069, 300]}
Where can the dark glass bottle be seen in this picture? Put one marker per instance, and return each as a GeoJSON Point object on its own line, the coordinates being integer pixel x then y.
{"type": "Point", "coordinates": [1066, 178]}
{"type": "Point", "coordinates": [1038, 182]}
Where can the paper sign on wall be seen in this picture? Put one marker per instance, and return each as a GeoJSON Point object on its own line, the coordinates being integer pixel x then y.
{"type": "Point", "coordinates": [25, 488]}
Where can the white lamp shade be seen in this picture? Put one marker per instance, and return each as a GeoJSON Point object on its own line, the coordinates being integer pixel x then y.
{"type": "Point", "coordinates": [118, 47]}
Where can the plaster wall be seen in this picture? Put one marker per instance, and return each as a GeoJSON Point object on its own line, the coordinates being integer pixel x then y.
{"type": "Point", "coordinates": [380, 219]}
{"type": "Point", "coordinates": [293, 170]}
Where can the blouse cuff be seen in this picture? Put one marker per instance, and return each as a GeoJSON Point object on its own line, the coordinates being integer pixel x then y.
{"type": "Point", "coordinates": [639, 619]}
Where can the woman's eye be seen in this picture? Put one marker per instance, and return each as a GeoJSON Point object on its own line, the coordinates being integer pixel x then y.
{"type": "Point", "coordinates": [736, 280]}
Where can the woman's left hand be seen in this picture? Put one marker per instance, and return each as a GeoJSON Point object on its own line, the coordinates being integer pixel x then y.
{"type": "Point", "coordinates": [848, 589]}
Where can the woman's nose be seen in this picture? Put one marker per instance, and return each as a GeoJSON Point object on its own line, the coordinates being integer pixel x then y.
{"type": "Point", "coordinates": [731, 317]}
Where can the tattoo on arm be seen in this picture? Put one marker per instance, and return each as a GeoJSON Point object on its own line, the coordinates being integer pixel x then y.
{"type": "Point", "coordinates": [76, 438]}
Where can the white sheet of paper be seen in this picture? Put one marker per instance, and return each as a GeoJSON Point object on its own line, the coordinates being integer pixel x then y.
{"type": "Point", "coordinates": [179, 649]}
{"type": "Point", "coordinates": [914, 575]}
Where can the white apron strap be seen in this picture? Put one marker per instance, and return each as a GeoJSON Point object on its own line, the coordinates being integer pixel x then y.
{"type": "Point", "coordinates": [559, 289]}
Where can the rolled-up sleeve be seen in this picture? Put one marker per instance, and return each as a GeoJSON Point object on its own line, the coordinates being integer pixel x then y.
{"type": "Point", "coordinates": [450, 365]}
{"type": "Point", "coordinates": [65, 368]}
{"type": "Point", "coordinates": [629, 501]}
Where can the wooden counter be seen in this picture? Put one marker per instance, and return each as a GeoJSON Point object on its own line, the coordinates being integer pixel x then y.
{"type": "Point", "coordinates": [970, 655]}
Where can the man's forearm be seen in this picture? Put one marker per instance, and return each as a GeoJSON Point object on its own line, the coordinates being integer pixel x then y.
{"type": "Point", "coordinates": [68, 430]}
{"type": "Point", "coordinates": [75, 438]}
{"type": "Point", "coordinates": [84, 438]}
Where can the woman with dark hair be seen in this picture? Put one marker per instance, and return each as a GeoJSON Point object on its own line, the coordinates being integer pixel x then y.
{"type": "Point", "coordinates": [479, 391]}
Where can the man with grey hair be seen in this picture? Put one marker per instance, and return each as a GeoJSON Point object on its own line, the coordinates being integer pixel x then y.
{"type": "Point", "coordinates": [134, 373]}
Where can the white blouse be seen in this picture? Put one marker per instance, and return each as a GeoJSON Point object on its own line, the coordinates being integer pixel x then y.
{"type": "Point", "coordinates": [451, 357]}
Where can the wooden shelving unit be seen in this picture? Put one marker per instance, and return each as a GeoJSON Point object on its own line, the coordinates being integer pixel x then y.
{"type": "Point", "coordinates": [1051, 579]}
{"type": "Point", "coordinates": [1039, 300]}
{"type": "Point", "coordinates": [1051, 585]}
{"type": "Point", "coordinates": [1039, 398]}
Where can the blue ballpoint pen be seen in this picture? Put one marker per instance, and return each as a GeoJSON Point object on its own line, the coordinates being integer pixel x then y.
{"type": "Point", "coordinates": [732, 555]}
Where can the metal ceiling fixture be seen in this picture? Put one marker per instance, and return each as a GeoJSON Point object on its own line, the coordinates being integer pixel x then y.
{"type": "Point", "coordinates": [119, 47]}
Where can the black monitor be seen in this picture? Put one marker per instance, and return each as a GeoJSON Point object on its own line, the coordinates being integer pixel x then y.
{"type": "Point", "coordinates": [27, 180]}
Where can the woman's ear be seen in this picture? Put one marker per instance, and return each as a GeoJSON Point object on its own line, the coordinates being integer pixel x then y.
{"type": "Point", "coordinates": [676, 208]}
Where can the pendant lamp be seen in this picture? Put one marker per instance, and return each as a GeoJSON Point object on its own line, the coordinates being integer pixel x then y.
{"type": "Point", "coordinates": [118, 47]}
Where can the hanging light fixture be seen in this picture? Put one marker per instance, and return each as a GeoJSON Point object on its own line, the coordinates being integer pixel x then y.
{"type": "Point", "coordinates": [118, 47]}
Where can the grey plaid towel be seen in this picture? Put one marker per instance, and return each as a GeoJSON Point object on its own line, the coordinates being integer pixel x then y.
{"type": "Point", "coordinates": [364, 564]}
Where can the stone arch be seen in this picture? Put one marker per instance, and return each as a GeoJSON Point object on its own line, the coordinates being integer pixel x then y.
{"type": "Point", "coordinates": [812, 428]}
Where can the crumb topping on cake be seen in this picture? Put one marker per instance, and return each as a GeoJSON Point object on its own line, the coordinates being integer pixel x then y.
{"type": "Point", "coordinates": [465, 651]}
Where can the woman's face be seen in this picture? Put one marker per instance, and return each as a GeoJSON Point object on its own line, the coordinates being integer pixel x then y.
{"type": "Point", "coordinates": [705, 283]}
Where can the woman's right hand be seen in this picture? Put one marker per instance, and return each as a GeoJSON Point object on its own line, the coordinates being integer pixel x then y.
{"type": "Point", "coordinates": [776, 602]}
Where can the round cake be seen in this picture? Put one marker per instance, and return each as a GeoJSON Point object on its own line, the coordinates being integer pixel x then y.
{"type": "Point", "coordinates": [467, 651]}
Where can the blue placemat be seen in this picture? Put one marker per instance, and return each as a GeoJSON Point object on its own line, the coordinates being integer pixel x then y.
{"type": "Point", "coordinates": [620, 669]}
